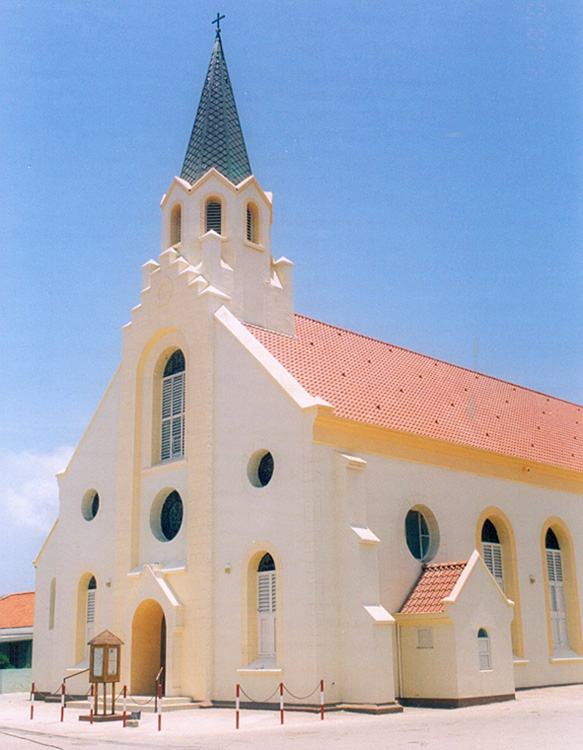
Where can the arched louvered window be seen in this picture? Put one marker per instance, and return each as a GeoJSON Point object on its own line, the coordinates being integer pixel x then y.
{"type": "Point", "coordinates": [554, 559]}
{"type": "Point", "coordinates": [484, 652]}
{"type": "Point", "coordinates": [173, 408]}
{"type": "Point", "coordinates": [213, 216]}
{"type": "Point", "coordinates": [252, 224]}
{"type": "Point", "coordinates": [90, 611]}
{"type": "Point", "coordinates": [492, 552]}
{"type": "Point", "coordinates": [176, 224]}
{"type": "Point", "coordinates": [266, 605]}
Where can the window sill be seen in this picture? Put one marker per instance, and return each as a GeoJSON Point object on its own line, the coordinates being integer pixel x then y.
{"type": "Point", "coordinates": [254, 246]}
{"type": "Point", "coordinates": [175, 463]}
{"type": "Point", "coordinates": [259, 670]}
{"type": "Point", "coordinates": [520, 662]}
{"type": "Point", "coordinates": [575, 659]}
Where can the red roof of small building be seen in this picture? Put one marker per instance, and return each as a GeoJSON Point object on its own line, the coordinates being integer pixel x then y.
{"type": "Point", "coordinates": [17, 610]}
{"type": "Point", "coordinates": [380, 384]}
{"type": "Point", "coordinates": [436, 582]}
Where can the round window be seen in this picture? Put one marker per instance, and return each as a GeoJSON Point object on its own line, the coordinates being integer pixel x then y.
{"type": "Point", "coordinates": [171, 516]}
{"type": "Point", "coordinates": [421, 534]}
{"type": "Point", "coordinates": [90, 505]}
{"type": "Point", "coordinates": [260, 468]}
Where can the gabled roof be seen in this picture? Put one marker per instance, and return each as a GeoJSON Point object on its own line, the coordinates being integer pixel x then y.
{"type": "Point", "coordinates": [437, 582]}
{"type": "Point", "coordinates": [105, 638]}
{"type": "Point", "coordinates": [216, 139]}
{"type": "Point", "coordinates": [17, 610]}
{"type": "Point", "coordinates": [377, 383]}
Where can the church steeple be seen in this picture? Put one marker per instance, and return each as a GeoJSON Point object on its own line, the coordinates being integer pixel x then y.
{"type": "Point", "coordinates": [217, 139]}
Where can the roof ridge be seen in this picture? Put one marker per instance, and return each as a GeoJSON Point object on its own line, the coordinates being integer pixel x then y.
{"type": "Point", "coordinates": [457, 563]}
{"type": "Point", "coordinates": [437, 359]}
{"type": "Point", "coordinates": [16, 593]}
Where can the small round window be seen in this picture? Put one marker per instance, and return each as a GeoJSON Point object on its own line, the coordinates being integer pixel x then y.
{"type": "Point", "coordinates": [421, 534]}
{"type": "Point", "coordinates": [260, 468]}
{"type": "Point", "coordinates": [90, 505]}
{"type": "Point", "coordinates": [171, 515]}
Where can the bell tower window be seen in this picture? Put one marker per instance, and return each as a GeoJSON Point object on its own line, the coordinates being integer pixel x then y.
{"type": "Point", "coordinates": [176, 224]}
{"type": "Point", "coordinates": [173, 409]}
{"type": "Point", "coordinates": [213, 216]}
{"type": "Point", "coordinates": [252, 224]}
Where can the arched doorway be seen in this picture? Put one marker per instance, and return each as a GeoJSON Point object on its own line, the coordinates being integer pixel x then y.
{"type": "Point", "coordinates": [148, 647]}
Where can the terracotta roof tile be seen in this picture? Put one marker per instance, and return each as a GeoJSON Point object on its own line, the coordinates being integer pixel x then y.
{"type": "Point", "coordinates": [436, 582]}
{"type": "Point", "coordinates": [17, 610]}
{"type": "Point", "coordinates": [371, 381]}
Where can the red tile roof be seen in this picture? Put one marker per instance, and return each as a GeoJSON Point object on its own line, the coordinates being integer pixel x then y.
{"type": "Point", "coordinates": [377, 383]}
{"type": "Point", "coordinates": [17, 610]}
{"type": "Point", "coordinates": [436, 582]}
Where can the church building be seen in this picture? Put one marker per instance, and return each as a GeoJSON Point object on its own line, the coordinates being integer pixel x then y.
{"type": "Point", "coordinates": [261, 497]}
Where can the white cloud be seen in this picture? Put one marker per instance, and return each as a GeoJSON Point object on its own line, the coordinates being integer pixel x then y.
{"type": "Point", "coordinates": [28, 489]}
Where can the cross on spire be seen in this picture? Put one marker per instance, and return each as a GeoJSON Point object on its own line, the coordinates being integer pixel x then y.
{"type": "Point", "coordinates": [218, 20]}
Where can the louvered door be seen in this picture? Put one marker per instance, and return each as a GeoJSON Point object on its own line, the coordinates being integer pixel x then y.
{"type": "Point", "coordinates": [557, 597]}
{"type": "Point", "coordinates": [492, 552]}
{"type": "Point", "coordinates": [266, 606]}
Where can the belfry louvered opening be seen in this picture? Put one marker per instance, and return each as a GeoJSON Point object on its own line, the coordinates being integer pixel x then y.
{"type": "Point", "coordinates": [252, 224]}
{"type": "Point", "coordinates": [173, 408]}
{"type": "Point", "coordinates": [213, 216]}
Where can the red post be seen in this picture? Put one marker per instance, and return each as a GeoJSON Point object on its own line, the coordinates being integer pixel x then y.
{"type": "Point", "coordinates": [281, 702]}
{"type": "Point", "coordinates": [91, 704]}
{"type": "Point", "coordinates": [159, 694]}
{"type": "Point", "coordinates": [322, 700]}
{"type": "Point", "coordinates": [237, 704]}
{"type": "Point", "coordinates": [62, 701]}
{"type": "Point", "coordinates": [125, 704]}
{"type": "Point", "coordinates": [32, 692]}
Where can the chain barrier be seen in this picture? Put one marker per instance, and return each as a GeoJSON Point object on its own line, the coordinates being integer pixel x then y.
{"type": "Point", "coordinates": [301, 697]}
{"type": "Point", "coordinates": [265, 701]}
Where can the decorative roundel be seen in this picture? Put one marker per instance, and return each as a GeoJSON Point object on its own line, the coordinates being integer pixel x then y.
{"type": "Point", "coordinates": [171, 516]}
{"type": "Point", "coordinates": [90, 505]}
{"type": "Point", "coordinates": [260, 468]}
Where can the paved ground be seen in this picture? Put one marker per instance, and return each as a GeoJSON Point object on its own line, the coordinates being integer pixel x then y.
{"type": "Point", "coordinates": [550, 718]}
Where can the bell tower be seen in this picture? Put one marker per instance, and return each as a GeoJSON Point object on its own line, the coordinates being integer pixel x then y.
{"type": "Point", "coordinates": [217, 216]}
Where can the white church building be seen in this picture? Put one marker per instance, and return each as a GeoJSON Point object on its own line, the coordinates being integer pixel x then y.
{"type": "Point", "coordinates": [263, 497]}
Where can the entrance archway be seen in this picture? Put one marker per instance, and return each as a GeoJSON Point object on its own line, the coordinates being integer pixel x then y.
{"type": "Point", "coordinates": [148, 647]}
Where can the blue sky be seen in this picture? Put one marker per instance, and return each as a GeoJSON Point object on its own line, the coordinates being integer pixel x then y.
{"type": "Point", "coordinates": [425, 159]}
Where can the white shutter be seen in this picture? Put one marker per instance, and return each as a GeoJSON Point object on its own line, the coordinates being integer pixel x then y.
{"type": "Point", "coordinates": [557, 597]}
{"type": "Point", "coordinates": [492, 552]}
{"type": "Point", "coordinates": [266, 592]}
{"type": "Point", "coordinates": [484, 653]}
{"type": "Point", "coordinates": [172, 423]}
{"type": "Point", "coordinates": [90, 606]}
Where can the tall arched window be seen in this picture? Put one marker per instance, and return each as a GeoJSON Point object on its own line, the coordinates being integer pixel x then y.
{"type": "Point", "coordinates": [252, 223]}
{"type": "Point", "coordinates": [173, 408]}
{"type": "Point", "coordinates": [492, 552]}
{"type": "Point", "coordinates": [176, 224]}
{"type": "Point", "coordinates": [266, 606]}
{"type": "Point", "coordinates": [90, 612]}
{"type": "Point", "coordinates": [213, 218]}
{"type": "Point", "coordinates": [554, 560]}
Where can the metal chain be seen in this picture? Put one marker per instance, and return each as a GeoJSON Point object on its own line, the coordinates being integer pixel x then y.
{"type": "Point", "coordinates": [265, 701]}
{"type": "Point", "coordinates": [140, 703]}
{"type": "Point", "coordinates": [301, 697]}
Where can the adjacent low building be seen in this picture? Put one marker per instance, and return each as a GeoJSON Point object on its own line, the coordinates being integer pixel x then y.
{"type": "Point", "coordinates": [16, 626]}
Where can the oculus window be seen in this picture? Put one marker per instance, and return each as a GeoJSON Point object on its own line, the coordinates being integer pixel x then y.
{"type": "Point", "coordinates": [421, 534]}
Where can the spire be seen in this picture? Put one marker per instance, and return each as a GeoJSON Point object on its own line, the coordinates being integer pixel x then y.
{"type": "Point", "coordinates": [216, 139]}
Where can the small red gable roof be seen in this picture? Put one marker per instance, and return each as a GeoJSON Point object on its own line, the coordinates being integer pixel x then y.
{"type": "Point", "coordinates": [17, 610]}
{"type": "Point", "coordinates": [380, 384]}
{"type": "Point", "coordinates": [436, 582]}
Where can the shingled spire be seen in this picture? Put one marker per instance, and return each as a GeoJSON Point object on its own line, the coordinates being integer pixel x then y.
{"type": "Point", "coordinates": [216, 139]}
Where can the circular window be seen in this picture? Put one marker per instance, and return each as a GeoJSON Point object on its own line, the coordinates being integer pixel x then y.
{"type": "Point", "coordinates": [90, 505]}
{"type": "Point", "coordinates": [260, 468]}
{"type": "Point", "coordinates": [171, 515]}
{"type": "Point", "coordinates": [421, 534]}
